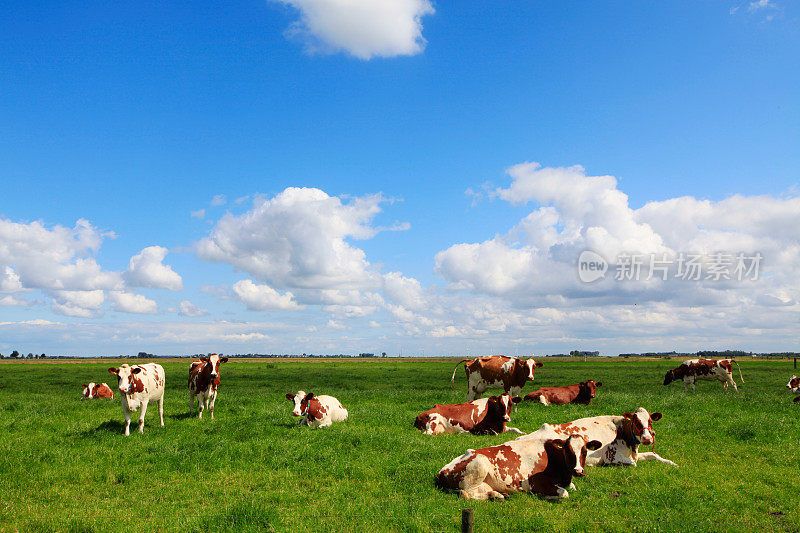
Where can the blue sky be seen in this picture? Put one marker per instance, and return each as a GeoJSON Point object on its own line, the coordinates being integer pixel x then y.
{"type": "Point", "coordinates": [134, 117]}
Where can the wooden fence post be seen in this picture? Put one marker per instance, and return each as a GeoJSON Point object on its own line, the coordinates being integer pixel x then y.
{"type": "Point", "coordinates": [795, 362]}
{"type": "Point", "coordinates": [467, 520]}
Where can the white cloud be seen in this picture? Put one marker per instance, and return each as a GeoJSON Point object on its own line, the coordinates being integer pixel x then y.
{"type": "Point", "coordinates": [84, 304]}
{"type": "Point", "coordinates": [263, 297]}
{"type": "Point", "coordinates": [200, 213]}
{"type": "Point", "coordinates": [187, 308]}
{"type": "Point", "coordinates": [13, 300]}
{"type": "Point", "coordinates": [218, 200]}
{"type": "Point", "coordinates": [9, 281]}
{"type": "Point", "coordinates": [298, 240]}
{"type": "Point", "coordinates": [759, 5]}
{"type": "Point", "coordinates": [56, 258]}
{"type": "Point", "coordinates": [363, 28]}
{"type": "Point", "coordinates": [127, 302]}
{"type": "Point", "coordinates": [146, 269]}
{"type": "Point", "coordinates": [404, 291]}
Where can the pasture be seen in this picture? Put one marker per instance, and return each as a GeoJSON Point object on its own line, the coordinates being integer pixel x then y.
{"type": "Point", "coordinates": [65, 465]}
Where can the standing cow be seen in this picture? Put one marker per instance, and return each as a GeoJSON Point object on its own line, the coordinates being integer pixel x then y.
{"type": "Point", "coordinates": [486, 416]}
{"type": "Point", "coordinates": [496, 371]}
{"type": "Point", "coordinates": [705, 369]}
{"type": "Point", "coordinates": [582, 393]}
{"type": "Point", "coordinates": [139, 385]}
{"type": "Point", "coordinates": [204, 381]}
{"type": "Point", "coordinates": [93, 390]}
{"type": "Point", "coordinates": [620, 437]}
{"type": "Point", "coordinates": [317, 411]}
{"type": "Point", "coordinates": [542, 466]}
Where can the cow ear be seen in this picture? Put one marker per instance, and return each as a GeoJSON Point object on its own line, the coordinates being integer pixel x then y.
{"type": "Point", "coordinates": [538, 364]}
{"type": "Point", "coordinates": [136, 370]}
{"type": "Point", "coordinates": [516, 399]}
{"type": "Point", "coordinates": [627, 415]}
{"type": "Point", "coordinates": [289, 396]}
{"type": "Point", "coordinates": [655, 417]}
{"type": "Point", "coordinates": [204, 358]}
{"type": "Point", "coordinates": [598, 384]}
{"type": "Point", "coordinates": [113, 370]}
{"type": "Point", "coordinates": [593, 445]}
{"type": "Point", "coordinates": [309, 396]}
{"type": "Point", "coordinates": [85, 385]}
{"type": "Point", "coordinates": [223, 360]}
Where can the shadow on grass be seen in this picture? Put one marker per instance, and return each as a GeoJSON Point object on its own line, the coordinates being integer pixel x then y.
{"type": "Point", "coordinates": [183, 416]}
{"type": "Point", "coordinates": [110, 426]}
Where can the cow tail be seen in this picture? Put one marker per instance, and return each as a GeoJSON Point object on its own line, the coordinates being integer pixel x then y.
{"type": "Point", "coordinates": [740, 370]}
{"type": "Point", "coordinates": [453, 377]}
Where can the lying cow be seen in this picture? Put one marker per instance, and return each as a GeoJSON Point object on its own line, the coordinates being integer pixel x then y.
{"type": "Point", "coordinates": [486, 416]}
{"type": "Point", "coordinates": [582, 393]}
{"type": "Point", "coordinates": [620, 437]}
{"type": "Point", "coordinates": [496, 371]}
{"type": "Point", "coordinates": [93, 390]}
{"type": "Point", "coordinates": [203, 382]}
{"type": "Point", "coordinates": [794, 384]}
{"type": "Point", "coordinates": [706, 369]}
{"type": "Point", "coordinates": [541, 466]}
{"type": "Point", "coordinates": [317, 411]}
{"type": "Point", "coordinates": [138, 386]}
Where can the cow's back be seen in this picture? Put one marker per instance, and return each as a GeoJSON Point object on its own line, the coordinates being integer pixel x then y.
{"type": "Point", "coordinates": [154, 381]}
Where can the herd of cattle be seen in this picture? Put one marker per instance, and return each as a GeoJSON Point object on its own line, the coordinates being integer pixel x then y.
{"type": "Point", "coordinates": [542, 462]}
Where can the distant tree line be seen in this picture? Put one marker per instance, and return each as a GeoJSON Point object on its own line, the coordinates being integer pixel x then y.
{"type": "Point", "coordinates": [16, 355]}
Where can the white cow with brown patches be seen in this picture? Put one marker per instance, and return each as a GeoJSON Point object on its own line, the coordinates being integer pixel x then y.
{"type": "Point", "coordinates": [203, 383]}
{"type": "Point", "coordinates": [92, 391]}
{"type": "Point", "coordinates": [485, 416]}
{"type": "Point", "coordinates": [496, 371]}
{"type": "Point", "coordinates": [139, 385]}
{"type": "Point", "coordinates": [794, 384]}
{"type": "Point", "coordinates": [620, 437]}
{"type": "Point", "coordinates": [317, 411]}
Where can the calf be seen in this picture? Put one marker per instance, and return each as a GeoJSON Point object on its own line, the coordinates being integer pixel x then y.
{"type": "Point", "coordinates": [203, 382]}
{"type": "Point", "coordinates": [583, 392]}
{"type": "Point", "coordinates": [139, 385]}
{"type": "Point", "coordinates": [486, 416]}
{"type": "Point", "coordinates": [706, 369]}
{"type": "Point", "coordinates": [496, 371]}
{"type": "Point", "coordinates": [542, 466]}
{"type": "Point", "coordinates": [317, 411]}
{"type": "Point", "coordinates": [794, 384]}
{"type": "Point", "coordinates": [620, 437]}
{"type": "Point", "coordinates": [93, 390]}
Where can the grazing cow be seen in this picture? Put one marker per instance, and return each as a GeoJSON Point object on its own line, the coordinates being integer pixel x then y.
{"type": "Point", "coordinates": [317, 411]}
{"type": "Point", "coordinates": [486, 416]}
{"type": "Point", "coordinates": [93, 390]}
{"type": "Point", "coordinates": [139, 385]}
{"type": "Point", "coordinates": [583, 392]}
{"type": "Point", "coordinates": [542, 466]}
{"type": "Point", "coordinates": [794, 384]}
{"type": "Point", "coordinates": [496, 371]}
{"type": "Point", "coordinates": [707, 369]}
{"type": "Point", "coordinates": [620, 437]}
{"type": "Point", "coordinates": [203, 382]}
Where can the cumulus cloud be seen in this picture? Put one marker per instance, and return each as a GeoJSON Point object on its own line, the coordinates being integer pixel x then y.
{"type": "Point", "coordinates": [187, 308]}
{"type": "Point", "coordinates": [298, 239]}
{"type": "Point", "coordinates": [200, 213]}
{"type": "Point", "coordinates": [128, 302]}
{"type": "Point", "coordinates": [56, 258]}
{"type": "Point", "coordinates": [146, 269]}
{"type": "Point", "coordinates": [14, 300]}
{"type": "Point", "coordinates": [263, 297]}
{"type": "Point", "coordinates": [84, 304]}
{"type": "Point", "coordinates": [218, 200]}
{"type": "Point", "coordinates": [363, 28]}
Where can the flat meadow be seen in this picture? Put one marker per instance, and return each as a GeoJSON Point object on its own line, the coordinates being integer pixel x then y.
{"type": "Point", "coordinates": [65, 465]}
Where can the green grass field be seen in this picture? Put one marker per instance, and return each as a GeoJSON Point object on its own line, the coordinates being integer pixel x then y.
{"type": "Point", "coordinates": [65, 465]}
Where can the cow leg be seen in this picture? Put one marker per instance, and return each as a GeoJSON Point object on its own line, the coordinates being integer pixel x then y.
{"type": "Point", "coordinates": [543, 400]}
{"type": "Point", "coordinates": [572, 486]}
{"type": "Point", "coordinates": [200, 401]}
{"type": "Point", "coordinates": [561, 493]}
{"type": "Point", "coordinates": [482, 492]}
{"type": "Point", "coordinates": [653, 456]}
{"type": "Point", "coordinates": [513, 430]}
{"type": "Point", "coordinates": [141, 417]}
{"type": "Point", "coordinates": [127, 422]}
{"type": "Point", "coordinates": [212, 399]}
{"type": "Point", "coordinates": [161, 409]}
{"type": "Point", "coordinates": [191, 402]}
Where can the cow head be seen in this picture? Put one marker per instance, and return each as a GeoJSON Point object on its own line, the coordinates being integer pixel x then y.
{"type": "Point", "coordinates": [126, 377]}
{"type": "Point", "coordinates": [88, 391]}
{"type": "Point", "coordinates": [502, 405]}
{"type": "Point", "coordinates": [794, 384]}
{"type": "Point", "coordinates": [300, 400]}
{"type": "Point", "coordinates": [573, 450]}
{"type": "Point", "coordinates": [530, 367]}
{"type": "Point", "coordinates": [590, 387]}
{"type": "Point", "coordinates": [214, 361]}
{"type": "Point", "coordinates": [638, 426]}
{"type": "Point", "coordinates": [669, 378]}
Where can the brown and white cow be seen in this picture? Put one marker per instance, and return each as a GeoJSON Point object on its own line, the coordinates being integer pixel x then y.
{"type": "Point", "coordinates": [93, 390]}
{"type": "Point", "coordinates": [794, 384]}
{"type": "Point", "coordinates": [705, 369]}
{"type": "Point", "coordinates": [541, 466]}
{"type": "Point", "coordinates": [317, 411]}
{"type": "Point", "coordinates": [203, 382]}
{"type": "Point", "coordinates": [582, 392]}
{"type": "Point", "coordinates": [620, 437]}
{"type": "Point", "coordinates": [139, 385]}
{"type": "Point", "coordinates": [496, 371]}
{"type": "Point", "coordinates": [485, 416]}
